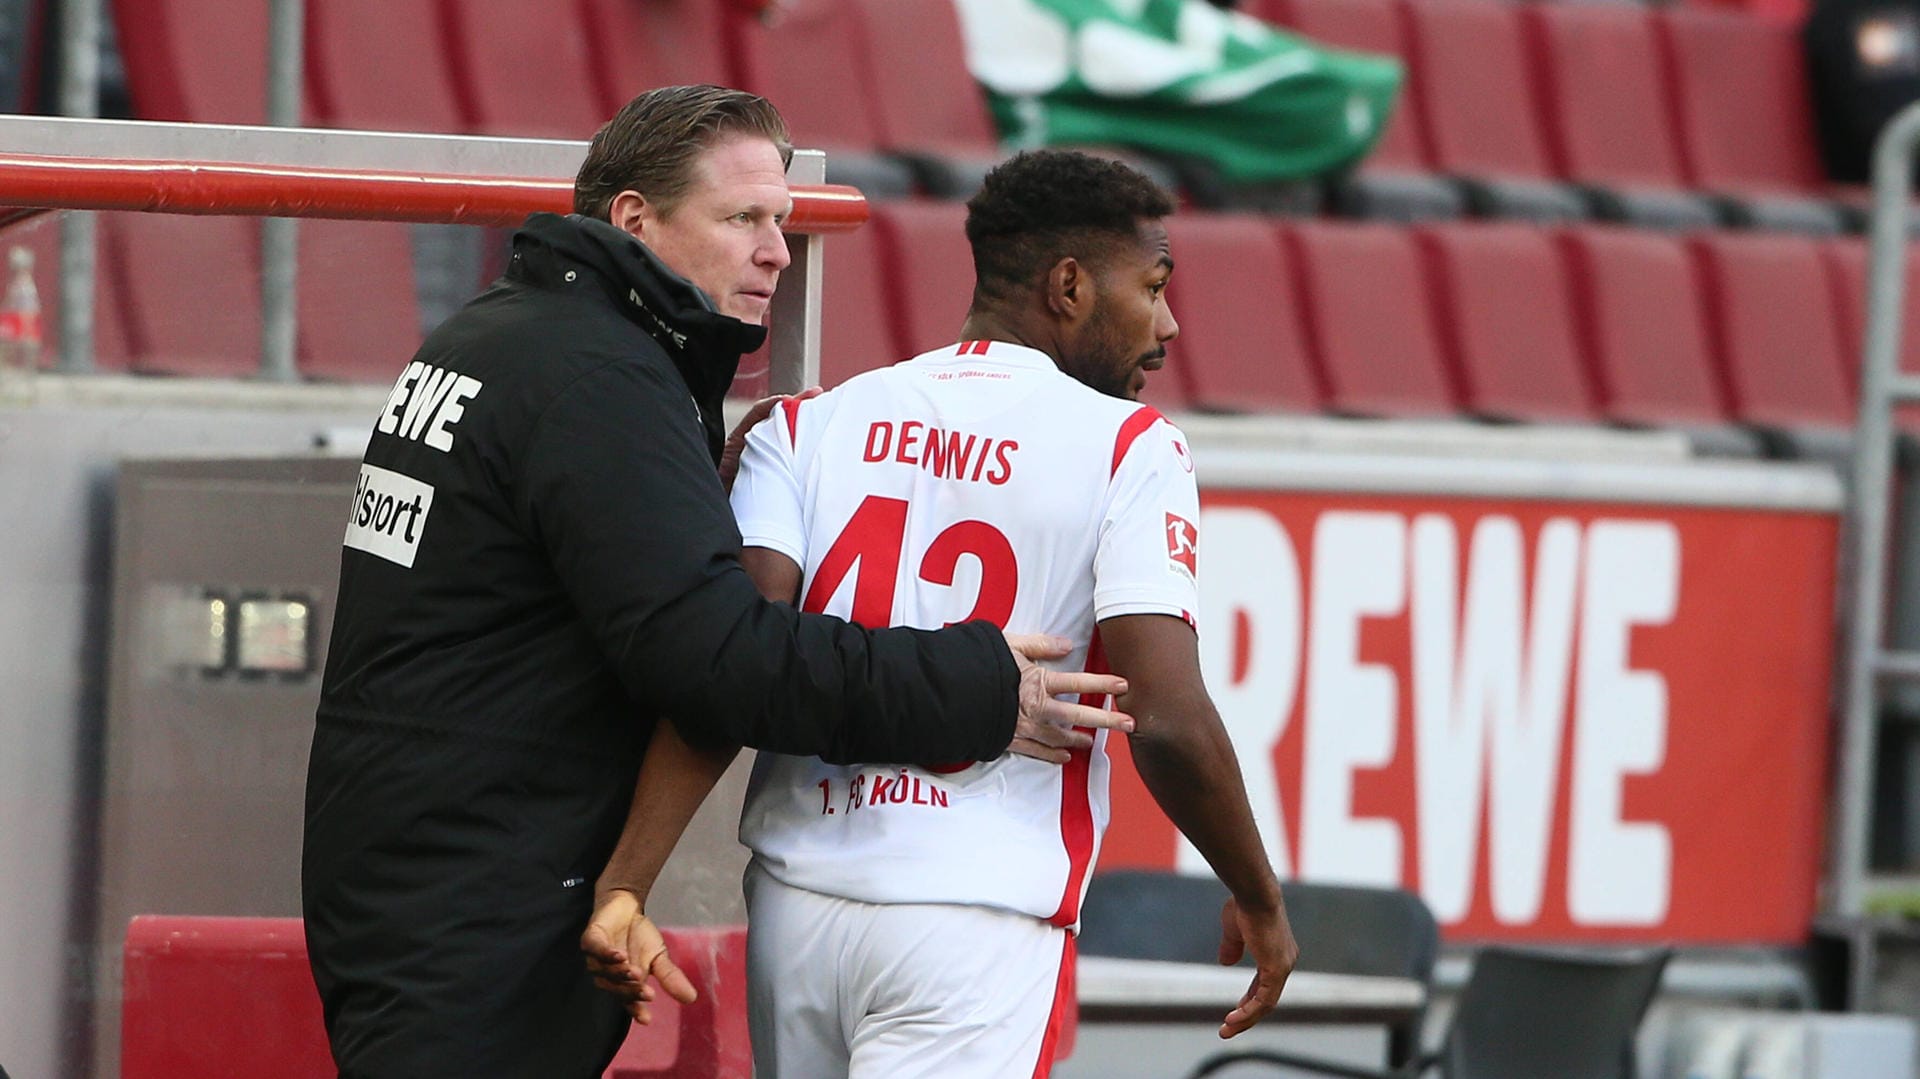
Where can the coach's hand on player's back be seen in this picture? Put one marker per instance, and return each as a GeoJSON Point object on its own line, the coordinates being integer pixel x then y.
{"type": "Point", "coordinates": [1266, 933]}
{"type": "Point", "coordinates": [1046, 729]}
{"type": "Point", "coordinates": [736, 443]}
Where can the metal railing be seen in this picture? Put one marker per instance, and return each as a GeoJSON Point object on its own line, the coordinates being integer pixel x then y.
{"type": "Point", "coordinates": [1864, 569]}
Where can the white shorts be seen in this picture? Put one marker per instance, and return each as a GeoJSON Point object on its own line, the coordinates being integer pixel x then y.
{"type": "Point", "coordinates": [837, 987]}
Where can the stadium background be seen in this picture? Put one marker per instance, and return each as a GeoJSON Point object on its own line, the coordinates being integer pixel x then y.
{"type": "Point", "coordinates": [1595, 238]}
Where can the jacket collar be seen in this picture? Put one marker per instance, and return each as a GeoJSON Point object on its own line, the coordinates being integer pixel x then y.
{"type": "Point", "coordinates": [704, 344]}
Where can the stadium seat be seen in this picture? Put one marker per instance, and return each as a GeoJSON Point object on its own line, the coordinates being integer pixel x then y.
{"type": "Point", "coordinates": [1506, 321]}
{"type": "Point", "coordinates": [1608, 114]}
{"type": "Point", "coordinates": [1395, 181]}
{"type": "Point", "coordinates": [929, 270]}
{"type": "Point", "coordinates": [1745, 118]}
{"type": "Point", "coordinates": [522, 68]}
{"type": "Point", "coordinates": [190, 291]}
{"type": "Point", "coordinates": [220, 996]}
{"type": "Point", "coordinates": [929, 109]}
{"type": "Point", "coordinates": [1846, 261]}
{"type": "Point", "coordinates": [1470, 62]}
{"type": "Point", "coordinates": [203, 61]}
{"type": "Point", "coordinates": [857, 327]}
{"type": "Point", "coordinates": [1370, 321]}
{"type": "Point", "coordinates": [359, 321]}
{"type": "Point", "coordinates": [1775, 329]}
{"type": "Point", "coordinates": [1638, 306]}
{"type": "Point", "coordinates": [641, 44]}
{"type": "Point", "coordinates": [379, 66]}
{"type": "Point", "coordinates": [1241, 346]}
{"type": "Point", "coordinates": [786, 63]}
{"type": "Point", "coordinates": [223, 996]}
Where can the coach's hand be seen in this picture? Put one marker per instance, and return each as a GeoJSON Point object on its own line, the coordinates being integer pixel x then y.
{"type": "Point", "coordinates": [1270, 938]}
{"type": "Point", "coordinates": [1046, 727]}
{"type": "Point", "coordinates": [736, 443]}
{"type": "Point", "coordinates": [623, 947]}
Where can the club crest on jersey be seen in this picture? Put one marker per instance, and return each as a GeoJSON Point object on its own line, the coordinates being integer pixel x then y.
{"type": "Point", "coordinates": [1180, 451]}
{"type": "Point", "coordinates": [1183, 544]}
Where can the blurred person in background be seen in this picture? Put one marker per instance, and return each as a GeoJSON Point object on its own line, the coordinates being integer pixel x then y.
{"type": "Point", "coordinates": [540, 564]}
{"type": "Point", "coordinates": [908, 922]}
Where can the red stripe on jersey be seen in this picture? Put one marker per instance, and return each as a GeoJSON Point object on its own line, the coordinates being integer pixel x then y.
{"type": "Point", "coordinates": [1065, 1001]}
{"type": "Point", "coordinates": [792, 407]}
{"type": "Point", "coordinates": [979, 348]}
{"type": "Point", "coordinates": [1076, 802]}
{"type": "Point", "coordinates": [1135, 426]}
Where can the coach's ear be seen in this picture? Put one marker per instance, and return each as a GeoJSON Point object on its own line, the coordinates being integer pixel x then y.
{"type": "Point", "coordinates": [1070, 290]}
{"type": "Point", "coordinates": [631, 212]}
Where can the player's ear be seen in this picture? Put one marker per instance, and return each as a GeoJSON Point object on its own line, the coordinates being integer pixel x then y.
{"type": "Point", "coordinates": [1069, 289]}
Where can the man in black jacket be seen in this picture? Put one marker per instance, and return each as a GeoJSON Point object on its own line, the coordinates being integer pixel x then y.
{"type": "Point", "coordinates": [539, 564]}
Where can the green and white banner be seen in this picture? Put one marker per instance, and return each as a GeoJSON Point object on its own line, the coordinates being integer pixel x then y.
{"type": "Point", "coordinates": [1178, 77]}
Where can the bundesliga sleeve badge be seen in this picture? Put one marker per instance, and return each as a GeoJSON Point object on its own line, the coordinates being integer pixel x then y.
{"type": "Point", "coordinates": [1183, 543]}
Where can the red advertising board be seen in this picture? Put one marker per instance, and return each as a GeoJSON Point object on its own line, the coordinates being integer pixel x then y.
{"type": "Point", "coordinates": [1555, 720]}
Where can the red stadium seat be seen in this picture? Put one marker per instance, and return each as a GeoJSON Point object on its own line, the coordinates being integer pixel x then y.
{"type": "Point", "coordinates": [641, 44]}
{"type": "Point", "coordinates": [190, 290]}
{"type": "Point", "coordinates": [1638, 305]}
{"type": "Point", "coordinates": [380, 66]}
{"type": "Point", "coordinates": [1507, 321]}
{"type": "Point", "coordinates": [198, 60]}
{"type": "Point", "coordinates": [359, 321]}
{"type": "Point", "coordinates": [1743, 110]}
{"type": "Point", "coordinates": [522, 68]}
{"type": "Point", "coordinates": [785, 62]}
{"type": "Point", "coordinates": [930, 270]}
{"type": "Point", "coordinates": [1846, 261]}
{"type": "Point", "coordinates": [1241, 346]}
{"type": "Point", "coordinates": [791, 62]}
{"type": "Point", "coordinates": [926, 100]}
{"type": "Point", "coordinates": [1609, 118]}
{"type": "Point", "coordinates": [220, 996]}
{"type": "Point", "coordinates": [857, 326]}
{"type": "Point", "coordinates": [1775, 329]}
{"type": "Point", "coordinates": [234, 997]}
{"type": "Point", "coordinates": [1364, 26]}
{"type": "Point", "coordinates": [1470, 65]}
{"type": "Point", "coordinates": [1364, 295]}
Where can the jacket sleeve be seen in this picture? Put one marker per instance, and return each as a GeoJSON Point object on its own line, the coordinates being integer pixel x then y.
{"type": "Point", "coordinates": [617, 486]}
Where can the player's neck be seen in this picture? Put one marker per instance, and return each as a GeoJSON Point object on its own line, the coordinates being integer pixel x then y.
{"type": "Point", "coordinates": [988, 326]}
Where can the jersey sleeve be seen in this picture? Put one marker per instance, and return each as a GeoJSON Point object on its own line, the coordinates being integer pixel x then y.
{"type": "Point", "coordinates": [766, 491]}
{"type": "Point", "coordinates": [1148, 558]}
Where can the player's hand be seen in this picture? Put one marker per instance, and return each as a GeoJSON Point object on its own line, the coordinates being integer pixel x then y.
{"type": "Point", "coordinates": [623, 947]}
{"type": "Point", "coordinates": [1045, 729]}
{"type": "Point", "coordinates": [737, 441]}
{"type": "Point", "coordinates": [1270, 938]}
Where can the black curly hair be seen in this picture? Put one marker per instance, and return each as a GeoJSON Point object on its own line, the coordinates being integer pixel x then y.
{"type": "Point", "coordinates": [1044, 205]}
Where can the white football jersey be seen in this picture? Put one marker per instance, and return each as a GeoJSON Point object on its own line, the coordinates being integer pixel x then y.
{"type": "Point", "coordinates": [977, 481]}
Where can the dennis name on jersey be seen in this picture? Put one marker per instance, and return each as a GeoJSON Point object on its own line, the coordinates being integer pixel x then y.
{"type": "Point", "coordinates": [953, 455]}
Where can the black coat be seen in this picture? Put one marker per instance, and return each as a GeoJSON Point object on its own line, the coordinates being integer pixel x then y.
{"type": "Point", "coordinates": [540, 562]}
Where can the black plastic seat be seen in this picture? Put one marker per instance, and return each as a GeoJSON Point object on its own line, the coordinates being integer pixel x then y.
{"type": "Point", "coordinates": [1341, 929]}
{"type": "Point", "coordinates": [1524, 1014]}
